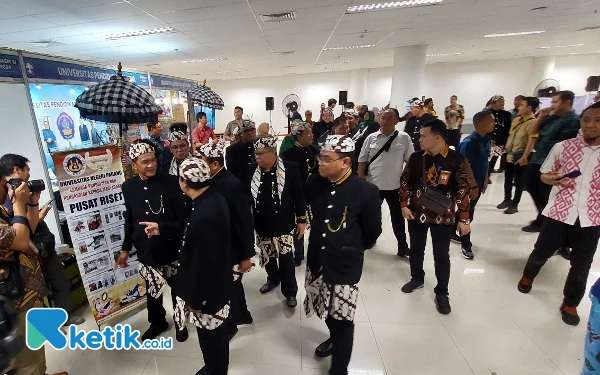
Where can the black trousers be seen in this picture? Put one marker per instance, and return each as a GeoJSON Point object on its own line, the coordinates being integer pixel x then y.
{"type": "Point", "coordinates": [514, 174]}
{"type": "Point", "coordinates": [215, 349]}
{"type": "Point", "coordinates": [454, 138]}
{"type": "Point", "coordinates": [540, 192]}
{"type": "Point", "coordinates": [238, 307]}
{"type": "Point", "coordinates": [298, 247]}
{"type": "Point", "coordinates": [284, 273]}
{"type": "Point", "coordinates": [156, 311]}
{"type": "Point", "coordinates": [393, 201]}
{"type": "Point", "coordinates": [465, 240]}
{"type": "Point", "coordinates": [493, 161]}
{"type": "Point", "coordinates": [57, 280]}
{"type": "Point", "coordinates": [440, 238]}
{"type": "Point", "coordinates": [341, 333]}
{"type": "Point", "coordinates": [584, 242]}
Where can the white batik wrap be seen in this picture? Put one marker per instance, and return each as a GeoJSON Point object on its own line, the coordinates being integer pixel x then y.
{"type": "Point", "coordinates": [323, 299]}
{"type": "Point", "coordinates": [272, 247]}
{"type": "Point", "coordinates": [204, 321]}
{"type": "Point", "coordinates": [156, 277]}
{"type": "Point", "coordinates": [280, 180]}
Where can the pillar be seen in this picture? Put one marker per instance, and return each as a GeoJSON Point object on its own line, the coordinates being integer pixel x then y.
{"type": "Point", "coordinates": [542, 68]}
{"type": "Point", "coordinates": [408, 75]}
{"type": "Point", "coordinates": [357, 92]}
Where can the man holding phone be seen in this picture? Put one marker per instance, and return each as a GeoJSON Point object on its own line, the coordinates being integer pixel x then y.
{"type": "Point", "coordinates": [573, 213]}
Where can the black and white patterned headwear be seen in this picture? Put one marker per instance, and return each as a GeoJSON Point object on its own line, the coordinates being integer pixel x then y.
{"type": "Point", "coordinates": [212, 150]}
{"type": "Point", "coordinates": [338, 143]}
{"type": "Point", "coordinates": [350, 112]}
{"type": "Point", "coordinates": [139, 148]}
{"type": "Point", "coordinates": [299, 127]}
{"type": "Point", "coordinates": [194, 170]}
{"type": "Point", "coordinates": [495, 98]}
{"type": "Point", "coordinates": [328, 110]}
{"type": "Point", "coordinates": [266, 142]}
{"type": "Point", "coordinates": [247, 124]}
{"type": "Point", "coordinates": [236, 132]}
{"type": "Point", "coordinates": [417, 103]}
{"type": "Point", "coordinates": [177, 136]}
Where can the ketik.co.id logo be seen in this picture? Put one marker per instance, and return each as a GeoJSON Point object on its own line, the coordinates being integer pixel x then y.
{"type": "Point", "coordinates": [44, 325]}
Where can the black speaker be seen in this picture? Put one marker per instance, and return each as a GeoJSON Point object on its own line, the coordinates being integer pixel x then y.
{"type": "Point", "coordinates": [343, 99]}
{"type": "Point", "coordinates": [270, 103]}
{"type": "Point", "coordinates": [593, 83]}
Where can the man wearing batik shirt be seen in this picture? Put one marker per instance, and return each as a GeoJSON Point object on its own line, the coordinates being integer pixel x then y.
{"type": "Point", "coordinates": [242, 229]}
{"type": "Point", "coordinates": [447, 174]}
{"type": "Point", "coordinates": [205, 267]}
{"type": "Point", "coordinates": [304, 154]}
{"type": "Point", "coordinates": [346, 220]}
{"type": "Point", "coordinates": [455, 114]}
{"type": "Point", "coordinates": [573, 212]}
{"type": "Point", "coordinates": [241, 154]}
{"type": "Point", "coordinates": [154, 221]}
{"type": "Point", "coordinates": [235, 123]}
{"type": "Point", "coordinates": [279, 209]}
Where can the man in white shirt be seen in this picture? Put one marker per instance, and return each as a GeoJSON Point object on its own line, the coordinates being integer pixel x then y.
{"type": "Point", "coordinates": [573, 211]}
{"type": "Point", "coordinates": [381, 163]}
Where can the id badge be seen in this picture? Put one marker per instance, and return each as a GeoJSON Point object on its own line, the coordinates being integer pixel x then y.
{"type": "Point", "coordinates": [444, 178]}
{"type": "Point", "coordinates": [510, 158]}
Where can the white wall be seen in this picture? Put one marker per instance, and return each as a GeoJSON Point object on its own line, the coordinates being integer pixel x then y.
{"type": "Point", "coordinates": [19, 137]}
{"type": "Point", "coordinates": [474, 83]}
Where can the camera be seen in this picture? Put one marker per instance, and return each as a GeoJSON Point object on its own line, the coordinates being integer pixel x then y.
{"type": "Point", "coordinates": [35, 186]}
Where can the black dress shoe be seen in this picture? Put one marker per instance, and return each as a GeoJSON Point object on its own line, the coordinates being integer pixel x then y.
{"type": "Point", "coordinates": [202, 371]}
{"type": "Point", "coordinates": [324, 349]}
{"type": "Point", "coordinates": [232, 332]}
{"type": "Point", "coordinates": [154, 331]}
{"type": "Point", "coordinates": [269, 286]}
{"type": "Point", "coordinates": [291, 301]}
{"type": "Point", "coordinates": [402, 251]}
{"type": "Point", "coordinates": [182, 336]}
{"type": "Point", "coordinates": [245, 319]}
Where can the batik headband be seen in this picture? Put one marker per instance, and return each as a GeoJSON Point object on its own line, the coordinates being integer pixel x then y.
{"type": "Point", "coordinates": [194, 170]}
{"type": "Point", "coordinates": [212, 150]}
{"type": "Point", "coordinates": [138, 149]}
{"type": "Point", "coordinates": [299, 127]}
{"type": "Point", "coordinates": [328, 110]}
{"type": "Point", "coordinates": [177, 136]}
{"type": "Point", "coordinates": [338, 143]}
{"type": "Point", "coordinates": [265, 142]}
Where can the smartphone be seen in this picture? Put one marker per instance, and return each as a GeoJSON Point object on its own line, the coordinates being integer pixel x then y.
{"type": "Point", "coordinates": [47, 204]}
{"type": "Point", "coordinates": [573, 174]}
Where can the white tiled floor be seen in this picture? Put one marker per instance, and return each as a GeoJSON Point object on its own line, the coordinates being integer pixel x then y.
{"type": "Point", "coordinates": [493, 329]}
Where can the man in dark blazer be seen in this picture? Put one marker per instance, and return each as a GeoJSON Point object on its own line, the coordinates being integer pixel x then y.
{"type": "Point", "coordinates": [240, 155]}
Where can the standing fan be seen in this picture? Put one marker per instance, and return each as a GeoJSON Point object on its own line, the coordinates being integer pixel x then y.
{"type": "Point", "coordinates": [547, 88]}
{"type": "Point", "coordinates": [289, 106]}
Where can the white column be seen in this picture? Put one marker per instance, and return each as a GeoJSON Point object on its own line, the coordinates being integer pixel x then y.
{"type": "Point", "coordinates": [408, 75]}
{"type": "Point", "coordinates": [358, 86]}
{"type": "Point", "coordinates": [541, 69]}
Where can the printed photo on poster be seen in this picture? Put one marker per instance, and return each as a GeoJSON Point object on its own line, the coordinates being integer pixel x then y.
{"type": "Point", "coordinates": [95, 263]}
{"type": "Point", "coordinates": [100, 282]}
{"type": "Point", "coordinates": [85, 223]}
{"type": "Point", "coordinates": [115, 236]}
{"type": "Point", "coordinates": [163, 100]}
{"type": "Point", "coordinates": [91, 243]}
{"type": "Point", "coordinates": [116, 251]}
{"type": "Point", "coordinates": [132, 270]}
{"type": "Point", "coordinates": [118, 300]}
{"type": "Point", "coordinates": [114, 215]}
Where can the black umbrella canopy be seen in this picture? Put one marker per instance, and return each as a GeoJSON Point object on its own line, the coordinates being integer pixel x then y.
{"type": "Point", "coordinates": [117, 101]}
{"type": "Point", "coordinates": [206, 97]}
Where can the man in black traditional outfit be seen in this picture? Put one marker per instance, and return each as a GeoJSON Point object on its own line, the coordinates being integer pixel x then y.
{"type": "Point", "coordinates": [241, 154]}
{"type": "Point", "coordinates": [242, 229]}
{"type": "Point", "coordinates": [205, 267]}
{"type": "Point", "coordinates": [154, 221]}
{"type": "Point", "coordinates": [179, 148]}
{"type": "Point", "coordinates": [346, 219]}
{"type": "Point", "coordinates": [279, 210]}
{"type": "Point", "coordinates": [304, 153]}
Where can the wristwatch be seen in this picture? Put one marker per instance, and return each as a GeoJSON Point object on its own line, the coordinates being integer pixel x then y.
{"type": "Point", "coordinates": [466, 221]}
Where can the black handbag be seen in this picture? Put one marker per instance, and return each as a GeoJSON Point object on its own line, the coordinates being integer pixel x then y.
{"type": "Point", "coordinates": [11, 283]}
{"type": "Point", "coordinates": [433, 200]}
{"type": "Point", "coordinates": [386, 147]}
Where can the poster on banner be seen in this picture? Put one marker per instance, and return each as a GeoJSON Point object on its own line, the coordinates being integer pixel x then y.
{"type": "Point", "coordinates": [90, 186]}
{"type": "Point", "coordinates": [163, 100]}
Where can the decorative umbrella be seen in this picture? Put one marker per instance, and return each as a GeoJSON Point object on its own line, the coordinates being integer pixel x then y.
{"type": "Point", "coordinates": [206, 97]}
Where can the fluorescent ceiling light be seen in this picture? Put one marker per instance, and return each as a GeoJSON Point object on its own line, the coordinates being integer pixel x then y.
{"type": "Point", "coordinates": [127, 34]}
{"type": "Point", "coordinates": [567, 46]}
{"type": "Point", "coordinates": [333, 62]}
{"type": "Point", "coordinates": [350, 47]}
{"type": "Point", "coordinates": [283, 53]}
{"type": "Point", "coordinates": [204, 60]}
{"type": "Point", "coordinates": [515, 34]}
{"type": "Point", "coordinates": [443, 54]}
{"type": "Point", "coordinates": [232, 71]}
{"type": "Point", "coordinates": [390, 5]}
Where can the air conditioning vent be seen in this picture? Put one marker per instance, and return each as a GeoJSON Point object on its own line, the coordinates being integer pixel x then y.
{"type": "Point", "coordinates": [47, 43]}
{"type": "Point", "coordinates": [278, 17]}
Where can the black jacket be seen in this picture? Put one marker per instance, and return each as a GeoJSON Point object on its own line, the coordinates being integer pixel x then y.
{"type": "Point", "coordinates": [305, 158]}
{"type": "Point", "coordinates": [319, 129]}
{"type": "Point", "coordinates": [164, 248]}
{"type": "Point", "coordinates": [413, 127]}
{"type": "Point", "coordinates": [291, 211]}
{"type": "Point", "coordinates": [204, 272]}
{"type": "Point", "coordinates": [339, 247]}
{"type": "Point", "coordinates": [240, 215]}
{"type": "Point", "coordinates": [503, 121]}
{"type": "Point", "coordinates": [239, 157]}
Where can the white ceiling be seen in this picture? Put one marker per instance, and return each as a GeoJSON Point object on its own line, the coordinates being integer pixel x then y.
{"type": "Point", "coordinates": [233, 29]}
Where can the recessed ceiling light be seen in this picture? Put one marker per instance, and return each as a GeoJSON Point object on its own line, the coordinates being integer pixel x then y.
{"type": "Point", "coordinates": [515, 34]}
{"type": "Point", "coordinates": [232, 71]}
{"type": "Point", "coordinates": [204, 60]}
{"type": "Point", "coordinates": [443, 54]}
{"type": "Point", "coordinates": [350, 47]}
{"type": "Point", "coordinates": [127, 34]}
{"type": "Point", "coordinates": [332, 62]}
{"type": "Point", "coordinates": [565, 46]}
{"type": "Point", "coordinates": [278, 17]}
{"type": "Point", "coordinates": [390, 5]}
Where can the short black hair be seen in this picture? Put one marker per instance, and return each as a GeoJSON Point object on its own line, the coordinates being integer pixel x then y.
{"type": "Point", "coordinates": [479, 116]}
{"type": "Point", "coordinates": [150, 125]}
{"type": "Point", "coordinates": [220, 160]}
{"type": "Point", "coordinates": [346, 155]}
{"type": "Point", "coordinates": [240, 108]}
{"type": "Point", "coordinates": [331, 101]}
{"type": "Point", "coordinates": [532, 102]}
{"type": "Point", "coordinates": [438, 127]}
{"type": "Point", "coordinates": [454, 96]}
{"type": "Point", "coordinates": [566, 95]}
{"type": "Point", "coordinates": [522, 97]}
{"type": "Point", "coordinates": [199, 115]}
{"type": "Point", "coordinates": [8, 162]}
{"type": "Point", "coordinates": [349, 105]}
{"type": "Point", "coordinates": [178, 127]}
{"type": "Point", "coordinates": [396, 112]}
{"type": "Point", "coordinates": [593, 106]}
{"type": "Point", "coordinates": [427, 101]}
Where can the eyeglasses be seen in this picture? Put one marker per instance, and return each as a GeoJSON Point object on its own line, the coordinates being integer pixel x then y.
{"type": "Point", "coordinates": [325, 160]}
{"type": "Point", "coordinates": [260, 154]}
{"type": "Point", "coordinates": [180, 147]}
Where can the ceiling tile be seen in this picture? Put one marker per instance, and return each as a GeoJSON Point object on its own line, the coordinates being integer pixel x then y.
{"type": "Point", "coordinates": [199, 15]}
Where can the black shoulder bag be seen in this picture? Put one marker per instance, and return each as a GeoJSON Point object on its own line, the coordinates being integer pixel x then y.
{"type": "Point", "coordinates": [433, 200]}
{"type": "Point", "coordinates": [11, 283]}
{"type": "Point", "coordinates": [386, 147]}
